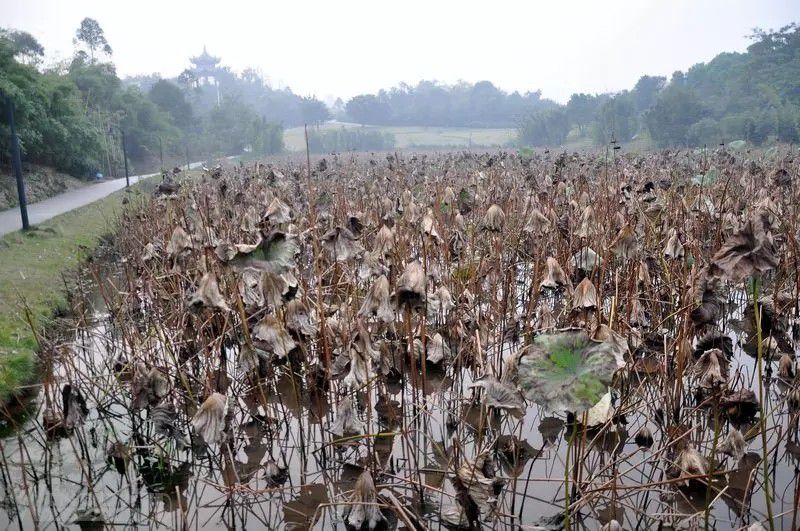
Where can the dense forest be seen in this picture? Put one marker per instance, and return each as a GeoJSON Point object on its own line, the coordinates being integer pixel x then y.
{"type": "Point", "coordinates": [72, 115]}
{"type": "Point", "coordinates": [752, 96]}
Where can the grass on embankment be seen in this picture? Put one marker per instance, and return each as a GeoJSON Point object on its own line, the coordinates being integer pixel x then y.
{"type": "Point", "coordinates": [31, 267]}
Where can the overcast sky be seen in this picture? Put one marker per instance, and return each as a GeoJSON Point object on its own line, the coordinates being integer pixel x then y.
{"type": "Point", "coordinates": [342, 48]}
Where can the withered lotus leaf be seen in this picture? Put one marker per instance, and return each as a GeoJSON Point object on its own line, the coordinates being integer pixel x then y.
{"type": "Point", "coordinates": [749, 250]}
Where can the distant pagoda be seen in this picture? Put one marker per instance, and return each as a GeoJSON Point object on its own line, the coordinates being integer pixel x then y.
{"type": "Point", "coordinates": [204, 68]}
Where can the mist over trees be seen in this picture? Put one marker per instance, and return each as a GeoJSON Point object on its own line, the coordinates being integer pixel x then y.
{"type": "Point", "coordinates": [432, 104]}
{"type": "Point", "coordinates": [752, 96]}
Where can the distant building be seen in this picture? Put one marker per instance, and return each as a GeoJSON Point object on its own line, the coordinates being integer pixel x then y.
{"type": "Point", "coordinates": [204, 68]}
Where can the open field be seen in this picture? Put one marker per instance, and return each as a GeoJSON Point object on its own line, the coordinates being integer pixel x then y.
{"type": "Point", "coordinates": [416, 136]}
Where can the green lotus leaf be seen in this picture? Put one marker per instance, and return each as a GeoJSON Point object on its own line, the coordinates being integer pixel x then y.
{"type": "Point", "coordinates": [568, 371]}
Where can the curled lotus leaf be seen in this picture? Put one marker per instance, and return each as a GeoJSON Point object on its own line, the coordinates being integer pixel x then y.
{"type": "Point", "coordinates": [274, 254]}
{"type": "Point", "coordinates": [749, 250]}
{"type": "Point", "coordinates": [567, 370]}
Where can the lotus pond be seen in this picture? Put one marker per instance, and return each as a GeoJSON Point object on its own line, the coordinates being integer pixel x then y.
{"type": "Point", "coordinates": [457, 341]}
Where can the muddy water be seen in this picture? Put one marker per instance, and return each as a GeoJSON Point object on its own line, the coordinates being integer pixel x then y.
{"type": "Point", "coordinates": [115, 471]}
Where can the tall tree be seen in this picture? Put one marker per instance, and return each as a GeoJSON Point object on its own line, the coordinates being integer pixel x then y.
{"type": "Point", "coordinates": [92, 36]}
{"type": "Point", "coordinates": [646, 91]}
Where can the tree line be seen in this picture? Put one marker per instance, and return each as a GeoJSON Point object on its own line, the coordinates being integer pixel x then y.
{"type": "Point", "coordinates": [433, 104]}
{"type": "Point", "coordinates": [752, 96]}
{"type": "Point", "coordinates": [72, 115]}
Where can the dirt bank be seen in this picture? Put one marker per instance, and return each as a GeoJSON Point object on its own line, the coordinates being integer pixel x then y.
{"type": "Point", "coordinates": [41, 182]}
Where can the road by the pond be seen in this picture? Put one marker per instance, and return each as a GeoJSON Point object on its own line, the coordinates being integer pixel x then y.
{"type": "Point", "coordinates": [41, 211]}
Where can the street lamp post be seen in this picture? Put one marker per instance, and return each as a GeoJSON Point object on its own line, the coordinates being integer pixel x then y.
{"type": "Point", "coordinates": [16, 163]}
{"type": "Point", "coordinates": [125, 157]}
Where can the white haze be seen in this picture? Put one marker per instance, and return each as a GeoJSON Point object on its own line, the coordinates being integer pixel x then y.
{"type": "Point", "coordinates": [330, 48]}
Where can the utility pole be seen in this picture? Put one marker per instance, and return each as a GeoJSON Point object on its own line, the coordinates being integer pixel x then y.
{"type": "Point", "coordinates": [125, 157]}
{"type": "Point", "coordinates": [16, 163]}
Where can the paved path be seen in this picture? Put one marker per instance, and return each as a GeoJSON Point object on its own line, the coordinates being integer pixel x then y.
{"type": "Point", "coordinates": [11, 221]}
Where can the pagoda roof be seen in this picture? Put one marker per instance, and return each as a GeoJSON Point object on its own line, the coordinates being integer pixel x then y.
{"type": "Point", "coordinates": [204, 59]}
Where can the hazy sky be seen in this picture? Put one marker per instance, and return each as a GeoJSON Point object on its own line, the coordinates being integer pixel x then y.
{"type": "Point", "coordinates": [342, 48]}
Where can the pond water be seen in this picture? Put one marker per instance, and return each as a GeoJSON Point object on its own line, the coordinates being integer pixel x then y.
{"type": "Point", "coordinates": [279, 465]}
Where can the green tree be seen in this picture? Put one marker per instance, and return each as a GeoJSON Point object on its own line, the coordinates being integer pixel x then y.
{"type": "Point", "coordinates": [314, 111]}
{"type": "Point", "coordinates": [25, 46]}
{"type": "Point", "coordinates": [616, 120]}
{"type": "Point", "coordinates": [92, 36]}
{"type": "Point", "coordinates": [544, 128]}
{"type": "Point", "coordinates": [171, 99]}
{"type": "Point", "coordinates": [581, 109]}
{"type": "Point", "coordinates": [673, 113]}
{"type": "Point", "coordinates": [646, 90]}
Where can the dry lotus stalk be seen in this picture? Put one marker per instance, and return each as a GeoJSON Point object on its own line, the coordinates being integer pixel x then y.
{"type": "Point", "coordinates": [209, 421]}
